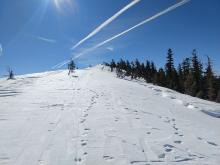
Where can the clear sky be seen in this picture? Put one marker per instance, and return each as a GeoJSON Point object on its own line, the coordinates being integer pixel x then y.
{"type": "Point", "coordinates": [37, 34]}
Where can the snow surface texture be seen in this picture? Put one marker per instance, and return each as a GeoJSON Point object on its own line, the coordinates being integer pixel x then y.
{"type": "Point", "coordinates": [94, 118]}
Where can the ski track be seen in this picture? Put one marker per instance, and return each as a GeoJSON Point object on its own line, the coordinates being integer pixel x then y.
{"type": "Point", "coordinates": [95, 118]}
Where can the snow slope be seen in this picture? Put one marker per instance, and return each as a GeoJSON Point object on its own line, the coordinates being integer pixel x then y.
{"type": "Point", "coordinates": [94, 118]}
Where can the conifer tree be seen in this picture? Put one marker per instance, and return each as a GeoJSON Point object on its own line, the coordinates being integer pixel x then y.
{"type": "Point", "coordinates": [185, 67]}
{"type": "Point", "coordinates": [129, 69]}
{"type": "Point", "coordinates": [175, 80]}
{"type": "Point", "coordinates": [142, 67]}
{"type": "Point", "coordinates": [161, 78]}
{"type": "Point", "coordinates": [137, 68]}
{"type": "Point", "coordinates": [209, 78]}
{"type": "Point", "coordinates": [71, 67]}
{"type": "Point", "coordinates": [218, 96]}
{"type": "Point", "coordinates": [148, 72]}
{"type": "Point", "coordinates": [169, 69]}
{"type": "Point", "coordinates": [180, 79]}
{"type": "Point", "coordinates": [197, 75]}
{"type": "Point", "coordinates": [132, 70]}
{"type": "Point", "coordinates": [153, 72]}
{"type": "Point", "coordinates": [112, 65]}
{"type": "Point", "coordinates": [188, 84]}
{"type": "Point", "coordinates": [10, 73]}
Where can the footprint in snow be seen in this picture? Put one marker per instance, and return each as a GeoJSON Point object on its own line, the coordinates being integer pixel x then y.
{"type": "Point", "coordinates": [116, 119]}
{"type": "Point", "coordinates": [168, 147]}
{"type": "Point", "coordinates": [106, 157]}
{"type": "Point", "coordinates": [85, 115]}
{"type": "Point", "coordinates": [155, 129]}
{"type": "Point", "coordinates": [212, 143]}
{"type": "Point", "coordinates": [174, 127]}
{"type": "Point", "coordinates": [78, 159]}
{"type": "Point", "coordinates": [166, 121]}
{"type": "Point", "coordinates": [83, 143]}
{"type": "Point", "coordinates": [177, 133]}
{"type": "Point", "coordinates": [83, 120]}
{"type": "Point", "coordinates": [178, 141]}
{"type": "Point", "coordinates": [199, 138]}
{"type": "Point", "coordinates": [93, 102]}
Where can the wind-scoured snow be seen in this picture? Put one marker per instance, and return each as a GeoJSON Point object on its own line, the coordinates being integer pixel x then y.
{"type": "Point", "coordinates": [94, 118]}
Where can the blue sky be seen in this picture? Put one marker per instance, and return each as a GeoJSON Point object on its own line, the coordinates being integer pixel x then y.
{"type": "Point", "coordinates": [37, 34]}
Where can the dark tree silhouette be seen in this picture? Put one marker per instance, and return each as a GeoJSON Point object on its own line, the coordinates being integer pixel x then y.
{"type": "Point", "coordinates": [188, 78]}
{"type": "Point", "coordinates": [71, 67]}
{"type": "Point", "coordinates": [209, 79]}
{"type": "Point", "coordinates": [197, 75]}
{"type": "Point", "coordinates": [10, 74]}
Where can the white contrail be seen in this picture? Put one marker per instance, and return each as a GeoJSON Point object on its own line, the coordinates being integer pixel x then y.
{"type": "Point", "coordinates": [108, 21]}
{"type": "Point", "coordinates": [134, 27]}
{"type": "Point", "coordinates": [130, 29]}
{"type": "Point", "coordinates": [1, 49]}
{"type": "Point", "coordinates": [46, 39]}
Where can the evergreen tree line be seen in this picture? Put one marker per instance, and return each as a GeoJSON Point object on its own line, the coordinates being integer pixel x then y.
{"type": "Point", "coordinates": [190, 77]}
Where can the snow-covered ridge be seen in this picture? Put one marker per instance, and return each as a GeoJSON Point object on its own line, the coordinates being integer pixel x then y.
{"type": "Point", "coordinates": [210, 108]}
{"type": "Point", "coordinates": [93, 117]}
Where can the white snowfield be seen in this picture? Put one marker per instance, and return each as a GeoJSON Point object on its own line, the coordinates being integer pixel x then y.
{"type": "Point", "coordinates": [94, 118]}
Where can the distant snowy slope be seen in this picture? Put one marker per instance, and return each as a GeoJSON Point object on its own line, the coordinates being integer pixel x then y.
{"type": "Point", "coordinates": [94, 118]}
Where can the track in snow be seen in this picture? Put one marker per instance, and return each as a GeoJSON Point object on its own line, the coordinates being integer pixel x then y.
{"type": "Point", "coordinates": [95, 118]}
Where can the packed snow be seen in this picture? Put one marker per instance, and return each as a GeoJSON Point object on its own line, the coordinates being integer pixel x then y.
{"type": "Point", "coordinates": [94, 118]}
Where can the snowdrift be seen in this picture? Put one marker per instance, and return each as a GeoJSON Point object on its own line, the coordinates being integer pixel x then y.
{"type": "Point", "coordinates": [95, 118]}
